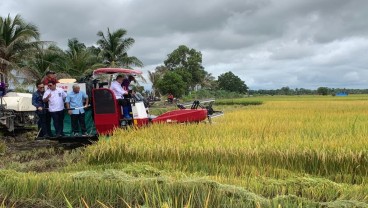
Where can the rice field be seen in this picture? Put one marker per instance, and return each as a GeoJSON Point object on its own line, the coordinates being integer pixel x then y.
{"type": "Point", "coordinates": [309, 151]}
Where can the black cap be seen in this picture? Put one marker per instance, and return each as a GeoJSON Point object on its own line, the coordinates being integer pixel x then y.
{"type": "Point", "coordinates": [53, 82]}
{"type": "Point", "coordinates": [50, 72]}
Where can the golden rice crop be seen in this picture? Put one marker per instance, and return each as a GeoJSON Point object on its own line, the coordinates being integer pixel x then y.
{"type": "Point", "coordinates": [314, 137]}
{"type": "Point", "coordinates": [288, 152]}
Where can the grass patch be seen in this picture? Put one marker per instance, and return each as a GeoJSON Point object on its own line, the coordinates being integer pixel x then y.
{"type": "Point", "coordinates": [241, 101]}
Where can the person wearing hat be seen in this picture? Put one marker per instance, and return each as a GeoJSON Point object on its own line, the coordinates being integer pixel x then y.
{"type": "Point", "coordinates": [50, 76]}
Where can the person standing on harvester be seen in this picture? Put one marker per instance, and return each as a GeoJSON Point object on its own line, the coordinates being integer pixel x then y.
{"type": "Point", "coordinates": [41, 112]}
{"type": "Point", "coordinates": [55, 97]}
{"type": "Point", "coordinates": [50, 77]}
{"type": "Point", "coordinates": [74, 102]}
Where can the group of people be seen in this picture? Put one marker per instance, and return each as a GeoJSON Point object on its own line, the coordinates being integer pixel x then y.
{"type": "Point", "coordinates": [50, 106]}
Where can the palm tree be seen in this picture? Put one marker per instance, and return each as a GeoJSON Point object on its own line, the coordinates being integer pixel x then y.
{"type": "Point", "coordinates": [17, 38]}
{"type": "Point", "coordinates": [78, 58]}
{"type": "Point", "coordinates": [209, 81]}
{"type": "Point", "coordinates": [43, 59]}
{"type": "Point", "coordinates": [155, 76]}
{"type": "Point", "coordinates": [114, 49]}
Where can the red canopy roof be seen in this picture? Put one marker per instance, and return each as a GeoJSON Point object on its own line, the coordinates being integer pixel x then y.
{"type": "Point", "coordinates": [116, 70]}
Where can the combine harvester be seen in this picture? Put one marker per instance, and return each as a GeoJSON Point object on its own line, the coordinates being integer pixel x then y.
{"type": "Point", "coordinates": [16, 109]}
{"type": "Point", "coordinates": [108, 116]}
{"type": "Point", "coordinates": [105, 114]}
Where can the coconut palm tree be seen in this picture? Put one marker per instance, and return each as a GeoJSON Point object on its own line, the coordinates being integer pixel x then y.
{"type": "Point", "coordinates": [155, 76]}
{"type": "Point", "coordinates": [43, 59]}
{"type": "Point", "coordinates": [114, 49]}
{"type": "Point", "coordinates": [17, 39]}
{"type": "Point", "coordinates": [79, 59]}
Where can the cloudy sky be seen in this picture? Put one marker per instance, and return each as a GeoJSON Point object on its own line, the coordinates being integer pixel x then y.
{"type": "Point", "coordinates": [269, 44]}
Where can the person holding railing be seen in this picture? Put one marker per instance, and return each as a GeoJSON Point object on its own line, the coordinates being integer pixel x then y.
{"type": "Point", "coordinates": [74, 103]}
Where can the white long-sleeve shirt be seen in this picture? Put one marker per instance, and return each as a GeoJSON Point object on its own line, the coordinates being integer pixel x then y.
{"type": "Point", "coordinates": [117, 89]}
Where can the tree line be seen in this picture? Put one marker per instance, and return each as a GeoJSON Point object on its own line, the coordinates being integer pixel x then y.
{"type": "Point", "coordinates": [182, 72]}
{"type": "Point", "coordinates": [303, 91]}
{"type": "Point", "coordinates": [21, 49]}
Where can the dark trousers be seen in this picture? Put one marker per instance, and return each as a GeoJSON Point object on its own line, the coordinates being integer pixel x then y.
{"type": "Point", "coordinates": [125, 103]}
{"type": "Point", "coordinates": [44, 123]}
{"type": "Point", "coordinates": [48, 123]}
{"type": "Point", "coordinates": [58, 119]}
{"type": "Point", "coordinates": [78, 119]}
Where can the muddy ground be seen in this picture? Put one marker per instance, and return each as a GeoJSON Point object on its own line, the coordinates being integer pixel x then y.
{"type": "Point", "coordinates": [23, 153]}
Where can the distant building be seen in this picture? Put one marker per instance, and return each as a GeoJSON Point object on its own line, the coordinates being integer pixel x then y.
{"type": "Point", "coordinates": [342, 94]}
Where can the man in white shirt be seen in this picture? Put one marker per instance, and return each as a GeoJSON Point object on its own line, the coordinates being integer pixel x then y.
{"type": "Point", "coordinates": [119, 95]}
{"type": "Point", "coordinates": [55, 98]}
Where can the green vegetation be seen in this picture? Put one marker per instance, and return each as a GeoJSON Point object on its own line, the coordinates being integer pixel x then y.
{"type": "Point", "coordinates": [288, 152]}
{"type": "Point", "coordinates": [238, 102]}
{"type": "Point", "coordinates": [2, 147]}
{"type": "Point", "coordinates": [218, 94]}
{"type": "Point", "coordinates": [231, 83]}
{"type": "Point", "coordinates": [22, 50]}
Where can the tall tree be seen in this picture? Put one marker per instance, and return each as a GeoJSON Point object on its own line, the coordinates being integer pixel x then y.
{"type": "Point", "coordinates": [172, 83]}
{"type": "Point", "coordinates": [114, 49]}
{"type": "Point", "coordinates": [230, 82]}
{"type": "Point", "coordinates": [17, 39]}
{"type": "Point", "coordinates": [78, 58]}
{"type": "Point", "coordinates": [188, 63]}
{"type": "Point", "coordinates": [322, 90]}
{"type": "Point", "coordinates": [44, 58]}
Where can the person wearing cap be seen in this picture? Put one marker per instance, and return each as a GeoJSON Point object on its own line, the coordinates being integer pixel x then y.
{"type": "Point", "coordinates": [74, 104]}
{"type": "Point", "coordinates": [50, 76]}
{"type": "Point", "coordinates": [55, 98]}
